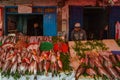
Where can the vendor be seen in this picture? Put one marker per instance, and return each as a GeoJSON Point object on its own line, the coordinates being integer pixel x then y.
{"type": "Point", "coordinates": [78, 33]}
{"type": "Point", "coordinates": [35, 30]}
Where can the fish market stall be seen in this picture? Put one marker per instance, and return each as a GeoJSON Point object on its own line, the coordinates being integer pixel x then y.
{"type": "Point", "coordinates": [51, 58]}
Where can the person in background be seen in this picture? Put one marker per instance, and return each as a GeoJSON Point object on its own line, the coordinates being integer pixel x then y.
{"type": "Point", "coordinates": [78, 33]}
{"type": "Point", "coordinates": [35, 30]}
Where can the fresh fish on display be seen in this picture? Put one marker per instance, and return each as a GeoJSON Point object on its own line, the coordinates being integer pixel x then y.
{"type": "Point", "coordinates": [108, 63]}
{"type": "Point", "coordinates": [5, 66]}
{"type": "Point", "coordinates": [22, 68]}
{"type": "Point", "coordinates": [32, 67]}
{"type": "Point", "coordinates": [40, 66]}
{"type": "Point", "coordinates": [91, 72]}
{"type": "Point", "coordinates": [46, 66]}
{"type": "Point", "coordinates": [105, 53]}
{"type": "Point", "coordinates": [10, 57]}
{"type": "Point", "coordinates": [118, 69]}
{"type": "Point", "coordinates": [60, 64]}
{"type": "Point", "coordinates": [0, 64]}
{"type": "Point", "coordinates": [113, 59]}
{"type": "Point", "coordinates": [79, 72]}
{"type": "Point", "coordinates": [118, 57]}
{"type": "Point", "coordinates": [14, 67]}
{"type": "Point", "coordinates": [35, 68]}
{"type": "Point", "coordinates": [103, 72]}
{"type": "Point", "coordinates": [14, 58]}
{"type": "Point", "coordinates": [97, 62]}
{"type": "Point", "coordinates": [113, 72]}
{"type": "Point", "coordinates": [19, 60]}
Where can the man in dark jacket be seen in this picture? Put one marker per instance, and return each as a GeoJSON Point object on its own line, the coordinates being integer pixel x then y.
{"type": "Point", "coordinates": [78, 33]}
{"type": "Point", "coordinates": [36, 31]}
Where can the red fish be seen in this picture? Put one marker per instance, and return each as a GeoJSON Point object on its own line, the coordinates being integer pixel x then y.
{"type": "Point", "coordinates": [46, 66]}
{"type": "Point", "coordinates": [113, 72]}
{"type": "Point", "coordinates": [14, 67]}
{"type": "Point", "coordinates": [112, 57]}
{"type": "Point", "coordinates": [118, 68]}
{"type": "Point", "coordinates": [102, 72]}
{"type": "Point", "coordinates": [60, 64]}
{"type": "Point", "coordinates": [91, 72]}
{"type": "Point", "coordinates": [27, 60]}
{"type": "Point", "coordinates": [5, 66]}
{"type": "Point", "coordinates": [79, 72]}
{"type": "Point", "coordinates": [118, 57]}
{"type": "Point", "coordinates": [35, 57]}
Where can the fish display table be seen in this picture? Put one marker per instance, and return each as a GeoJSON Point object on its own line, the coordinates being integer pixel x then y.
{"type": "Point", "coordinates": [46, 58]}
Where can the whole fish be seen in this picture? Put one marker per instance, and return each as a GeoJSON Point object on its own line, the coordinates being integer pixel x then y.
{"type": "Point", "coordinates": [79, 72]}
{"type": "Point", "coordinates": [91, 72]}
{"type": "Point", "coordinates": [113, 72]}
{"type": "Point", "coordinates": [118, 57]}
{"type": "Point", "coordinates": [0, 64]}
{"type": "Point", "coordinates": [118, 68]}
{"type": "Point", "coordinates": [60, 64]}
{"type": "Point", "coordinates": [14, 67]}
{"type": "Point", "coordinates": [46, 66]}
{"type": "Point", "coordinates": [97, 63]}
{"type": "Point", "coordinates": [14, 58]}
{"type": "Point", "coordinates": [22, 68]}
{"type": "Point", "coordinates": [33, 67]}
{"type": "Point", "coordinates": [40, 66]}
{"type": "Point", "coordinates": [5, 66]}
{"type": "Point", "coordinates": [113, 59]}
{"type": "Point", "coordinates": [102, 72]}
{"type": "Point", "coordinates": [19, 58]}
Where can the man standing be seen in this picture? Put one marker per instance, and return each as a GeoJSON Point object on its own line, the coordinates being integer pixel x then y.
{"type": "Point", "coordinates": [78, 33]}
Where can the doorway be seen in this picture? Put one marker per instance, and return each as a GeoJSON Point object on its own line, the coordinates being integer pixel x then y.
{"type": "Point", "coordinates": [24, 23]}
{"type": "Point", "coordinates": [94, 20]}
{"type": "Point", "coordinates": [30, 23]}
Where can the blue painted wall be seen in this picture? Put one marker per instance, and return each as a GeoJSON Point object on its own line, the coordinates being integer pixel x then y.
{"type": "Point", "coordinates": [50, 24]}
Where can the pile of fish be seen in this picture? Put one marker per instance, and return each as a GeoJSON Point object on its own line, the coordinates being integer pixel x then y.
{"type": "Point", "coordinates": [101, 64]}
{"type": "Point", "coordinates": [27, 58]}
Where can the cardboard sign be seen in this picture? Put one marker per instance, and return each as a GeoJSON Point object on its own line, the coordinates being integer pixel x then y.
{"type": "Point", "coordinates": [111, 44]}
{"type": "Point", "coordinates": [24, 9]}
